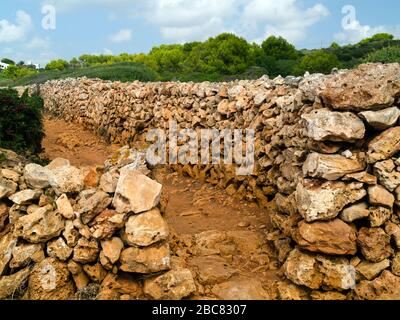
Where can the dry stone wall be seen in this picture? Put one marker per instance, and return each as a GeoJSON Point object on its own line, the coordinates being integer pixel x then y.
{"type": "Point", "coordinates": [327, 153]}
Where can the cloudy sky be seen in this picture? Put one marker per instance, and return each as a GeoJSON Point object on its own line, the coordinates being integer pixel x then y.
{"type": "Point", "coordinates": [133, 26]}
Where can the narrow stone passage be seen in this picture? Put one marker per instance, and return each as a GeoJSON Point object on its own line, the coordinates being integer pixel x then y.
{"type": "Point", "coordinates": [221, 239]}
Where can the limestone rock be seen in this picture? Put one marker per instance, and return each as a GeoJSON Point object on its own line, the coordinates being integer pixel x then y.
{"type": "Point", "coordinates": [90, 207]}
{"type": "Point", "coordinates": [396, 264]}
{"type": "Point", "coordinates": [302, 269]}
{"type": "Point", "coordinates": [328, 296]}
{"type": "Point", "coordinates": [374, 244]}
{"type": "Point", "coordinates": [379, 215]}
{"type": "Point", "coordinates": [368, 87]}
{"type": "Point", "coordinates": [7, 245]}
{"type": "Point", "coordinates": [326, 125]}
{"type": "Point", "coordinates": [393, 230]}
{"type": "Point", "coordinates": [172, 285]}
{"type": "Point", "coordinates": [315, 271]}
{"type": "Point", "coordinates": [324, 201]}
{"type": "Point", "coordinates": [387, 175]}
{"type": "Point", "coordinates": [145, 229]}
{"type": "Point", "coordinates": [86, 251]}
{"type": "Point", "coordinates": [331, 237]}
{"type": "Point", "coordinates": [58, 249]}
{"type": "Point", "coordinates": [371, 270]}
{"type": "Point", "coordinates": [9, 285]}
{"type": "Point", "coordinates": [355, 212]}
{"type": "Point", "coordinates": [379, 196]}
{"type": "Point", "coordinates": [107, 223]}
{"type": "Point", "coordinates": [65, 208]}
{"type": "Point", "coordinates": [112, 249]}
{"type": "Point", "coordinates": [66, 179]}
{"type": "Point", "coordinates": [3, 215]}
{"type": "Point", "coordinates": [242, 289]}
{"type": "Point", "coordinates": [383, 119]}
{"type": "Point", "coordinates": [71, 234]}
{"type": "Point", "coordinates": [363, 177]}
{"type": "Point", "coordinates": [136, 192]}
{"type": "Point", "coordinates": [10, 175]}
{"type": "Point", "coordinates": [50, 280]}
{"type": "Point", "coordinates": [385, 145]}
{"type": "Point", "coordinates": [24, 254]}
{"type": "Point", "coordinates": [40, 226]}
{"type": "Point", "coordinates": [36, 176]}
{"type": "Point", "coordinates": [145, 260]}
{"type": "Point", "coordinates": [7, 188]}
{"type": "Point", "coordinates": [95, 272]}
{"type": "Point", "coordinates": [108, 182]}
{"type": "Point", "coordinates": [385, 287]}
{"type": "Point", "coordinates": [113, 286]}
{"type": "Point", "coordinates": [330, 167]}
{"type": "Point", "coordinates": [25, 196]}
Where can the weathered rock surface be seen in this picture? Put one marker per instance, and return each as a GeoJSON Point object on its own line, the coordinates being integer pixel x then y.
{"type": "Point", "coordinates": [36, 176]}
{"type": "Point", "coordinates": [355, 212]}
{"type": "Point", "coordinates": [7, 188]}
{"type": "Point", "coordinates": [385, 145]}
{"type": "Point", "coordinates": [331, 237]}
{"type": "Point", "coordinates": [330, 167]}
{"type": "Point", "coordinates": [145, 260]}
{"type": "Point", "coordinates": [136, 192]}
{"type": "Point", "coordinates": [40, 226]}
{"type": "Point", "coordinates": [25, 196]}
{"type": "Point", "coordinates": [383, 119]}
{"type": "Point", "coordinates": [374, 244]}
{"type": "Point", "coordinates": [326, 125]}
{"type": "Point", "coordinates": [324, 201]}
{"type": "Point", "coordinates": [24, 254]}
{"type": "Point", "coordinates": [145, 229]}
{"type": "Point", "coordinates": [50, 280]}
{"type": "Point", "coordinates": [10, 285]}
{"type": "Point", "coordinates": [86, 251]}
{"type": "Point", "coordinates": [66, 179]}
{"type": "Point", "coordinates": [112, 249]}
{"type": "Point", "coordinates": [65, 208]}
{"type": "Point", "coordinates": [59, 249]}
{"type": "Point", "coordinates": [385, 287]}
{"type": "Point", "coordinates": [379, 196]}
{"type": "Point", "coordinates": [371, 270]}
{"type": "Point", "coordinates": [172, 285]}
{"type": "Point", "coordinates": [368, 87]}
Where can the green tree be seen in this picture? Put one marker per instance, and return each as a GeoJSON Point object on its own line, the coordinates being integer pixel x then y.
{"type": "Point", "coordinates": [14, 72]}
{"type": "Point", "coordinates": [318, 61]}
{"type": "Point", "coordinates": [279, 48]}
{"type": "Point", "coordinates": [334, 45]}
{"type": "Point", "coordinates": [8, 61]}
{"type": "Point", "coordinates": [385, 55]}
{"type": "Point", "coordinates": [58, 64]}
{"type": "Point", "coordinates": [377, 37]}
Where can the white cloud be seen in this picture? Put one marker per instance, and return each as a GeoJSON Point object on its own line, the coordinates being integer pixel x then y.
{"type": "Point", "coordinates": [187, 20]}
{"type": "Point", "coordinates": [121, 36]}
{"type": "Point", "coordinates": [355, 32]}
{"type": "Point", "coordinates": [10, 32]}
{"type": "Point", "coordinates": [281, 18]}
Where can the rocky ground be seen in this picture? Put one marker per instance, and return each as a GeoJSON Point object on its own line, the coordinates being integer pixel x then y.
{"type": "Point", "coordinates": [216, 244]}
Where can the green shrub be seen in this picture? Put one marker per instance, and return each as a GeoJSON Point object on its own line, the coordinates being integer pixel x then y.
{"type": "Point", "coordinates": [385, 55]}
{"type": "Point", "coordinates": [21, 126]}
{"type": "Point", "coordinates": [318, 61]}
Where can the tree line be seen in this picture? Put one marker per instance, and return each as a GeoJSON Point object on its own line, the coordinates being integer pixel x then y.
{"type": "Point", "coordinates": [230, 55]}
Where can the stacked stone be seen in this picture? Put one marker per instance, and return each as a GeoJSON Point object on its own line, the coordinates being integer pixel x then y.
{"type": "Point", "coordinates": [327, 151]}
{"type": "Point", "coordinates": [69, 233]}
{"type": "Point", "coordinates": [344, 215]}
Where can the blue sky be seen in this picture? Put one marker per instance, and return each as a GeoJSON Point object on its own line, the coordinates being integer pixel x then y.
{"type": "Point", "coordinates": [133, 26]}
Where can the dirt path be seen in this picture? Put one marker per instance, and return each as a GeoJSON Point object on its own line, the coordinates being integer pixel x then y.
{"type": "Point", "coordinates": [220, 238]}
